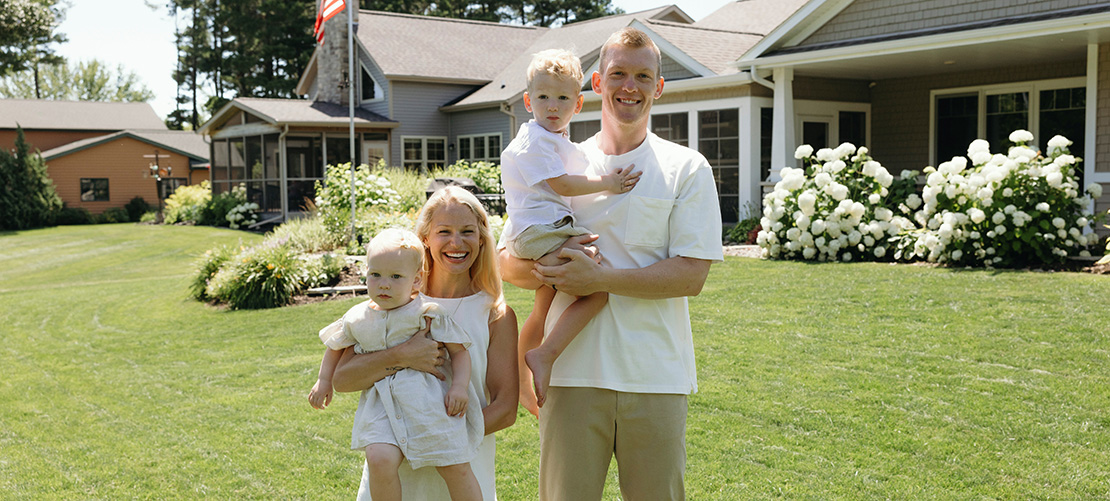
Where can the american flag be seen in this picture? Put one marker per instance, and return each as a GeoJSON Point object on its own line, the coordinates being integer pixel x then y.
{"type": "Point", "coordinates": [328, 9]}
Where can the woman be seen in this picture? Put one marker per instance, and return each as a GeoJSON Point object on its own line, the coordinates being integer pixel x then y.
{"type": "Point", "coordinates": [461, 275]}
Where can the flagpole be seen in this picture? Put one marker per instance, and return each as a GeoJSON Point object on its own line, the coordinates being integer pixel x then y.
{"type": "Point", "coordinates": [351, 101]}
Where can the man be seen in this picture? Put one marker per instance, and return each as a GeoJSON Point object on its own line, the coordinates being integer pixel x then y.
{"type": "Point", "coordinates": [620, 387]}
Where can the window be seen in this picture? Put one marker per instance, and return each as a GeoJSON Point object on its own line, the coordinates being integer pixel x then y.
{"type": "Point", "coordinates": [719, 141]}
{"type": "Point", "coordinates": [423, 153]}
{"type": "Point", "coordinates": [673, 127]}
{"type": "Point", "coordinates": [853, 127]}
{"type": "Point", "coordinates": [94, 190]}
{"type": "Point", "coordinates": [482, 148]}
{"type": "Point", "coordinates": [581, 131]}
{"type": "Point", "coordinates": [369, 90]}
{"type": "Point", "coordinates": [766, 133]}
{"type": "Point", "coordinates": [1046, 107]}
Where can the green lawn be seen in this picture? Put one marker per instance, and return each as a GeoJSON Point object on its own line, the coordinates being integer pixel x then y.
{"type": "Point", "coordinates": [831, 381]}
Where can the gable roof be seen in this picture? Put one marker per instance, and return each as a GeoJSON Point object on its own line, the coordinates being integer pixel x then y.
{"type": "Point", "coordinates": [296, 112]}
{"type": "Point", "coordinates": [584, 39]}
{"type": "Point", "coordinates": [716, 49]}
{"type": "Point", "coordinates": [186, 143]}
{"type": "Point", "coordinates": [77, 115]}
{"type": "Point", "coordinates": [759, 17]}
{"type": "Point", "coordinates": [440, 48]}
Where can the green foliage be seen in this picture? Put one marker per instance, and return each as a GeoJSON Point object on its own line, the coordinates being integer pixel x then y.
{"type": "Point", "coordinates": [370, 222]}
{"type": "Point", "coordinates": [333, 196]}
{"type": "Point", "coordinates": [92, 80]}
{"type": "Point", "coordinates": [113, 215]}
{"type": "Point", "coordinates": [321, 269]}
{"type": "Point", "coordinates": [264, 276]}
{"type": "Point", "coordinates": [136, 208]}
{"type": "Point", "coordinates": [307, 235]}
{"type": "Point", "coordinates": [210, 263]}
{"type": "Point", "coordinates": [410, 185]}
{"type": "Point", "coordinates": [214, 213]}
{"type": "Point", "coordinates": [186, 203]}
{"type": "Point", "coordinates": [69, 216]}
{"type": "Point", "coordinates": [27, 196]}
{"type": "Point", "coordinates": [26, 33]}
{"type": "Point", "coordinates": [149, 217]}
{"type": "Point", "coordinates": [741, 231]}
{"type": "Point", "coordinates": [486, 175]}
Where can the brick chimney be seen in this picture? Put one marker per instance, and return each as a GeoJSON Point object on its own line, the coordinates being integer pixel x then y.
{"type": "Point", "coordinates": [331, 71]}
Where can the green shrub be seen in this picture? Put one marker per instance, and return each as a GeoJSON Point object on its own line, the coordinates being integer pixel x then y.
{"type": "Point", "coordinates": [320, 270]}
{"type": "Point", "coordinates": [207, 267]}
{"type": "Point", "coordinates": [149, 217]}
{"type": "Point", "coordinates": [333, 196]}
{"type": "Point", "coordinates": [370, 222]}
{"type": "Point", "coordinates": [486, 175]}
{"type": "Point", "coordinates": [410, 185]}
{"type": "Point", "coordinates": [742, 230]}
{"type": "Point", "coordinates": [307, 235]}
{"type": "Point", "coordinates": [136, 208]}
{"type": "Point", "coordinates": [71, 216]}
{"type": "Point", "coordinates": [114, 215]}
{"type": "Point", "coordinates": [265, 276]}
{"type": "Point", "coordinates": [186, 203]}
{"type": "Point", "coordinates": [214, 213]}
{"type": "Point", "coordinates": [27, 196]}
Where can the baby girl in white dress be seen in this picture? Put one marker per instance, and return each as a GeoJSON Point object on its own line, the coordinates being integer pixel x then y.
{"type": "Point", "coordinates": [410, 414]}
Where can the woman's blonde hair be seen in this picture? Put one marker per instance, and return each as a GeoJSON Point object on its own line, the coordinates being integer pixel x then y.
{"type": "Point", "coordinates": [484, 273]}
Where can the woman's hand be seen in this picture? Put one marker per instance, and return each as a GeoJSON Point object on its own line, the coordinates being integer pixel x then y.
{"type": "Point", "coordinates": [422, 353]}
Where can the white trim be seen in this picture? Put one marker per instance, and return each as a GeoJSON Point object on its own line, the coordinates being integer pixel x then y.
{"type": "Point", "coordinates": [802, 23]}
{"type": "Point", "coordinates": [1033, 87]}
{"type": "Point", "coordinates": [1018, 31]}
{"type": "Point", "coordinates": [423, 150]}
{"type": "Point", "coordinates": [490, 155]}
{"type": "Point", "coordinates": [379, 91]}
{"type": "Point", "coordinates": [668, 49]}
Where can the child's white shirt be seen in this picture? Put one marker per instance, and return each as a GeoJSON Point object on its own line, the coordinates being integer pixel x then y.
{"type": "Point", "coordinates": [531, 158]}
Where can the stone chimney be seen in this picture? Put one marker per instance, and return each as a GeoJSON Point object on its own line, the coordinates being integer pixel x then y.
{"type": "Point", "coordinates": [331, 71]}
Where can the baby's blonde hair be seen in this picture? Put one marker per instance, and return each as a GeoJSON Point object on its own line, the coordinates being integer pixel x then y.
{"type": "Point", "coordinates": [557, 62]}
{"type": "Point", "coordinates": [397, 239]}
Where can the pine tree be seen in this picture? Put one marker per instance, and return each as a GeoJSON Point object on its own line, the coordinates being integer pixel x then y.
{"type": "Point", "coordinates": [27, 196]}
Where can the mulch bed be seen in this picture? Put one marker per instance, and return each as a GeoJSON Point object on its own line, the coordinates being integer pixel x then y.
{"type": "Point", "coordinates": [349, 276]}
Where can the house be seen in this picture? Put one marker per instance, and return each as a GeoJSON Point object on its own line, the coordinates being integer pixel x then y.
{"type": "Point", "coordinates": [99, 154]}
{"type": "Point", "coordinates": [422, 103]}
{"type": "Point", "coordinates": [930, 76]}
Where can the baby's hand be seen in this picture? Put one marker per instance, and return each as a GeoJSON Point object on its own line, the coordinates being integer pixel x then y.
{"type": "Point", "coordinates": [320, 396]}
{"type": "Point", "coordinates": [623, 180]}
{"type": "Point", "coordinates": [456, 401]}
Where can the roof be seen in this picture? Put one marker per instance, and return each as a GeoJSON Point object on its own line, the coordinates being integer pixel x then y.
{"type": "Point", "coordinates": [187, 143]}
{"type": "Point", "coordinates": [405, 45]}
{"type": "Point", "coordinates": [38, 114]}
{"type": "Point", "coordinates": [297, 112]}
{"type": "Point", "coordinates": [714, 48]}
{"type": "Point", "coordinates": [750, 16]}
{"type": "Point", "coordinates": [583, 38]}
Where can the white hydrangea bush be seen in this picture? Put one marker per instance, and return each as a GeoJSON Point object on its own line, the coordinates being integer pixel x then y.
{"type": "Point", "coordinates": [242, 215]}
{"type": "Point", "coordinates": [1016, 209]}
{"type": "Point", "coordinates": [839, 207]}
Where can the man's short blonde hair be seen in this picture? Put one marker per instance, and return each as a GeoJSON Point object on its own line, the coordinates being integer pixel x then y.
{"type": "Point", "coordinates": [630, 38]}
{"type": "Point", "coordinates": [557, 62]}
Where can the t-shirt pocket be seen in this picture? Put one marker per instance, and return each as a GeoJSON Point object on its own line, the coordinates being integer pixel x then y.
{"type": "Point", "coordinates": [647, 221]}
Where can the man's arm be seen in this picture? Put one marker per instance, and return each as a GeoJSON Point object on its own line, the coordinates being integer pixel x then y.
{"type": "Point", "coordinates": [581, 276]}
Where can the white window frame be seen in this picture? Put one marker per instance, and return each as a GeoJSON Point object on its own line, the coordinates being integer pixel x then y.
{"type": "Point", "coordinates": [423, 163]}
{"type": "Point", "coordinates": [378, 92]}
{"type": "Point", "coordinates": [490, 155]}
{"type": "Point", "coordinates": [1033, 87]}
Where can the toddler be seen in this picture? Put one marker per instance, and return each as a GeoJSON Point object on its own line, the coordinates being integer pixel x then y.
{"type": "Point", "coordinates": [409, 414]}
{"type": "Point", "coordinates": [534, 170]}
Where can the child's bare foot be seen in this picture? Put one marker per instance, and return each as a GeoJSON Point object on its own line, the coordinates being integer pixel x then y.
{"type": "Point", "coordinates": [540, 362]}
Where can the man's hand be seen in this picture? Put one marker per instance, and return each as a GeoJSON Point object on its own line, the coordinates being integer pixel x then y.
{"type": "Point", "coordinates": [580, 276]}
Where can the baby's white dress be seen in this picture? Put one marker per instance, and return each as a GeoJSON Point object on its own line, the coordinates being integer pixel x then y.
{"type": "Point", "coordinates": [407, 409]}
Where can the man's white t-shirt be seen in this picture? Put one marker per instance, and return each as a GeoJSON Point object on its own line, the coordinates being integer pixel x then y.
{"type": "Point", "coordinates": [642, 345]}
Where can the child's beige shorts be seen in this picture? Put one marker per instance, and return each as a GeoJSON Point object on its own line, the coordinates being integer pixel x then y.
{"type": "Point", "coordinates": [538, 240]}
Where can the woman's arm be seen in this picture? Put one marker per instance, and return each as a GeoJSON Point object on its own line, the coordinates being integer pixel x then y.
{"type": "Point", "coordinates": [360, 372]}
{"type": "Point", "coordinates": [501, 373]}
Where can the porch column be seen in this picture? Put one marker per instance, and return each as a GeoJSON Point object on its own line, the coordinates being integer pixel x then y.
{"type": "Point", "coordinates": [782, 138]}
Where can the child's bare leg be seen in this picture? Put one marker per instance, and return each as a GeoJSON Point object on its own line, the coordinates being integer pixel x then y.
{"type": "Point", "coordinates": [462, 485]}
{"type": "Point", "coordinates": [382, 461]}
{"type": "Point", "coordinates": [570, 323]}
{"type": "Point", "coordinates": [531, 335]}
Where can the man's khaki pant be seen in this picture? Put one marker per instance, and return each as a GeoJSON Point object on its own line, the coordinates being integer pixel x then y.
{"type": "Point", "coordinates": [582, 428]}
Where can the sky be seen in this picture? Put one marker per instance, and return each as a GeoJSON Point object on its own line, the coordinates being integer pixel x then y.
{"type": "Point", "coordinates": [130, 33]}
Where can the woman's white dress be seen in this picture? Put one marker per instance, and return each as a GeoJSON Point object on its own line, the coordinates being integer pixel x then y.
{"type": "Point", "coordinates": [472, 313]}
{"type": "Point", "coordinates": [407, 409]}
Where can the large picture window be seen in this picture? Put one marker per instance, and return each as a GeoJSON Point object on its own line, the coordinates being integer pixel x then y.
{"type": "Point", "coordinates": [1045, 108]}
{"type": "Point", "coordinates": [719, 141]}
{"type": "Point", "coordinates": [583, 130]}
{"type": "Point", "coordinates": [674, 127]}
{"type": "Point", "coordinates": [424, 153]}
{"type": "Point", "coordinates": [94, 190]}
{"type": "Point", "coordinates": [480, 148]}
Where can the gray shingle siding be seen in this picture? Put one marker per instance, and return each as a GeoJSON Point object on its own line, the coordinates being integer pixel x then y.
{"type": "Point", "coordinates": [416, 106]}
{"type": "Point", "coordinates": [866, 18]}
{"type": "Point", "coordinates": [900, 108]}
{"type": "Point", "coordinates": [379, 107]}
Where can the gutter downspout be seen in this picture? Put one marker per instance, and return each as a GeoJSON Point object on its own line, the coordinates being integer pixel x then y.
{"type": "Point", "coordinates": [760, 80]}
{"type": "Point", "coordinates": [507, 109]}
{"type": "Point", "coordinates": [284, 170]}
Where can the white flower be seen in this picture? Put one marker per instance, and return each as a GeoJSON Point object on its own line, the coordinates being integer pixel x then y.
{"type": "Point", "coordinates": [806, 202]}
{"type": "Point", "coordinates": [874, 198]}
{"type": "Point", "coordinates": [1058, 142]}
{"type": "Point", "coordinates": [957, 254]}
{"type": "Point", "coordinates": [809, 252]}
{"type": "Point", "coordinates": [845, 150]}
{"type": "Point", "coordinates": [826, 155]}
{"type": "Point", "coordinates": [1021, 136]}
{"type": "Point", "coordinates": [1043, 206]}
{"type": "Point", "coordinates": [978, 145]}
{"type": "Point", "coordinates": [803, 151]}
{"type": "Point", "coordinates": [822, 179]}
{"type": "Point", "coordinates": [1008, 192]}
{"type": "Point", "coordinates": [837, 191]}
{"type": "Point", "coordinates": [879, 252]}
{"type": "Point", "coordinates": [977, 216]}
{"type": "Point", "coordinates": [1063, 160]}
{"type": "Point", "coordinates": [1059, 222]}
{"type": "Point", "coordinates": [818, 227]}
{"type": "Point", "coordinates": [883, 214]}
{"type": "Point", "coordinates": [791, 183]}
{"type": "Point", "coordinates": [1055, 179]}
{"type": "Point", "coordinates": [1009, 209]}
{"type": "Point", "coordinates": [981, 157]}
{"type": "Point", "coordinates": [913, 201]}
{"type": "Point", "coordinates": [1095, 190]}
{"type": "Point", "coordinates": [835, 166]}
{"type": "Point", "coordinates": [1081, 222]}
